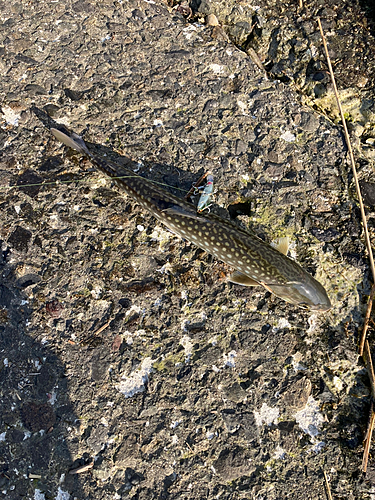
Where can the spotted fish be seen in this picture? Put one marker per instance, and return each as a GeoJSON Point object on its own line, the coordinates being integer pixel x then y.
{"type": "Point", "coordinates": [255, 262]}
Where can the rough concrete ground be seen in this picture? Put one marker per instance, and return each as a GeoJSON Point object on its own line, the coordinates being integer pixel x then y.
{"type": "Point", "coordinates": [123, 348]}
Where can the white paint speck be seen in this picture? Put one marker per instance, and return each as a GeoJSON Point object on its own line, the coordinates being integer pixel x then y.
{"type": "Point", "coordinates": [37, 364]}
{"type": "Point", "coordinates": [282, 323]}
{"type": "Point", "coordinates": [338, 384]}
{"type": "Point", "coordinates": [243, 107]}
{"type": "Point", "coordinates": [229, 359]}
{"type": "Point", "coordinates": [309, 418]}
{"type": "Point", "coordinates": [140, 228]}
{"type": "Point", "coordinates": [296, 362]}
{"type": "Point", "coordinates": [317, 447]}
{"type": "Point", "coordinates": [217, 68]}
{"type": "Point", "coordinates": [279, 453]}
{"type": "Point", "coordinates": [210, 435]}
{"type": "Point", "coordinates": [96, 292]}
{"type": "Point", "coordinates": [266, 415]}
{"type": "Point", "coordinates": [104, 421]}
{"type": "Point", "coordinates": [62, 495]}
{"type": "Point", "coordinates": [313, 324]}
{"type": "Point", "coordinates": [132, 310]}
{"type": "Point", "coordinates": [38, 495]}
{"type": "Point", "coordinates": [288, 136]}
{"type": "Point", "coordinates": [10, 116]}
{"type": "Point", "coordinates": [137, 379]}
{"type": "Point", "coordinates": [188, 31]}
{"type": "Point", "coordinates": [188, 346]}
{"type": "Point", "coordinates": [2, 436]}
{"type": "Point", "coordinates": [6, 362]}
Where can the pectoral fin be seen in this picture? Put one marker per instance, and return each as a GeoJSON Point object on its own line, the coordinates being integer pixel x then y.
{"type": "Point", "coordinates": [241, 279]}
{"type": "Point", "coordinates": [184, 212]}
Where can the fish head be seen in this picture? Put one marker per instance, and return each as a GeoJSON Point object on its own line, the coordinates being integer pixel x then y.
{"type": "Point", "coordinates": [307, 294]}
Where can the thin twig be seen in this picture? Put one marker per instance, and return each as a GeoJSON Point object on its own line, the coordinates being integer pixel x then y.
{"type": "Point", "coordinates": [82, 468]}
{"type": "Point", "coordinates": [347, 138]}
{"type": "Point", "coordinates": [102, 328]}
{"type": "Point", "coordinates": [367, 320]}
{"type": "Point", "coordinates": [329, 494]}
{"type": "Point", "coordinates": [370, 368]}
{"type": "Point", "coordinates": [370, 428]}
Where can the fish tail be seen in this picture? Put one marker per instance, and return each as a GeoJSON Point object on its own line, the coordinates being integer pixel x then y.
{"type": "Point", "coordinates": [74, 141]}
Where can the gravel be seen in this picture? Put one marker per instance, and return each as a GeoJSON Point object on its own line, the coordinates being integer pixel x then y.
{"type": "Point", "coordinates": [123, 346]}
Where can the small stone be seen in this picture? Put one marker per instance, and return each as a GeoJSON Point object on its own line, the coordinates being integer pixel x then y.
{"type": "Point", "coordinates": [20, 238]}
{"type": "Point", "coordinates": [211, 20]}
{"type": "Point", "coordinates": [36, 417]}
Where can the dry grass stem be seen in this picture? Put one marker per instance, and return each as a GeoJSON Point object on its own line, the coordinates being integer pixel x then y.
{"type": "Point", "coordinates": [83, 468]}
{"type": "Point", "coordinates": [347, 138]}
{"type": "Point", "coordinates": [370, 368]}
{"type": "Point", "coordinates": [370, 428]}
{"type": "Point", "coordinates": [102, 328]}
{"type": "Point", "coordinates": [329, 494]}
{"type": "Point", "coordinates": [367, 320]}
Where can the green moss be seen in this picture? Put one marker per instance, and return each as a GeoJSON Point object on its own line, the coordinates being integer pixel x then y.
{"type": "Point", "coordinates": [267, 216]}
{"type": "Point", "coordinates": [168, 363]}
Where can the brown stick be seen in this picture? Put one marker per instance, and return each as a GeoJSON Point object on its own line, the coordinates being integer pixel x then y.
{"type": "Point", "coordinates": [370, 368]}
{"type": "Point", "coordinates": [329, 494]}
{"type": "Point", "coordinates": [370, 429]}
{"type": "Point", "coordinates": [367, 320]}
{"type": "Point", "coordinates": [82, 468]}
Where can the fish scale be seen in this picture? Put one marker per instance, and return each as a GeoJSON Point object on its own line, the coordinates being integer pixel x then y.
{"type": "Point", "coordinates": [255, 262]}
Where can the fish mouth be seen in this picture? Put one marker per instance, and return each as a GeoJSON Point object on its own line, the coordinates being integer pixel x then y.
{"type": "Point", "coordinates": [324, 307]}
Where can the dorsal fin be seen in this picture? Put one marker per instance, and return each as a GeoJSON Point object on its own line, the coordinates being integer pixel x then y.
{"type": "Point", "coordinates": [283, 245]}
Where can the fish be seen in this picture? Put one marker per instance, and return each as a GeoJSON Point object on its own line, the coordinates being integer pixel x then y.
{"type": "Point", "coordinates": [254, 261]}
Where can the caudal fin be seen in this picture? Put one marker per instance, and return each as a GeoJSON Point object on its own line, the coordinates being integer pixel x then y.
{"type": "Point", "coordinates": [75, 141]}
